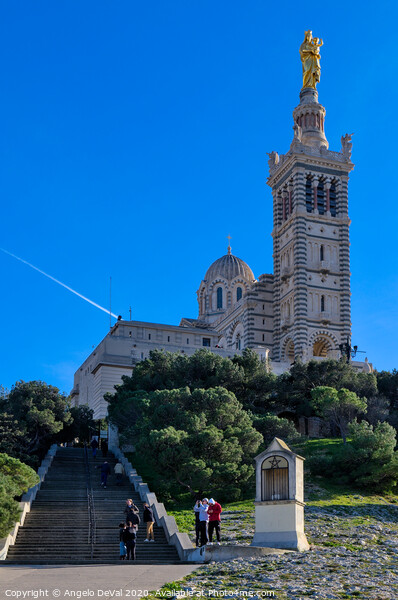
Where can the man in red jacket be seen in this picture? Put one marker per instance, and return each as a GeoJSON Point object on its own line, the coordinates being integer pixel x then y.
{"type": "Point", "coordinates": [214, 513]}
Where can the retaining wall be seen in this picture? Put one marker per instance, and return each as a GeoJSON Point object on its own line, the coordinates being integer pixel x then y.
{"type": "Point", "coordinates": [186, 550]}
{"type": "Point", "coordinates": [26, 502]}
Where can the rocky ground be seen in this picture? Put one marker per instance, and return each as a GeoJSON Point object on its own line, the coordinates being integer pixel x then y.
{"type": "Point", "coordinates": [354, 554]}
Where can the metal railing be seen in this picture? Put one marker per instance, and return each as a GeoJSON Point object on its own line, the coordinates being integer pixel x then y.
{"type": "Point", "coordinates": [90, 506]}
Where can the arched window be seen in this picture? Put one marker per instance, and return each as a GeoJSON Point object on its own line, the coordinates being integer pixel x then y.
{"type": "Point", "coordinates": [333, 199]}
{"type": "Point", "coordinates": [289, 352]}
{"type": "Point", "coordinates": [275, 478]}
{"type": "Point", "coordinates": [322, 253]}
{"type": "Point", "coordinates": [238, 342]}
{"type": "Point", "coordinates": [219, 297]}
{"type": "Point", "coordinates": [320, 348]}
{"type": "Point", "coordinates": [308, 194]}
{"type": "Point", "coordinates": [321, 198]}
{"type": "Point", "coordinates": [322, 303]}
{"type": "Point", "coordinates": [238, 294]}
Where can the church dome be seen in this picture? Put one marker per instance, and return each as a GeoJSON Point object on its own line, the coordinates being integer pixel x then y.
{"type": "Point", "coordinates": [229, 267]}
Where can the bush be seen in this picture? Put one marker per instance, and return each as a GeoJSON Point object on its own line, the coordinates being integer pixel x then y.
{"type": "Point", "coordinates": [200, 441]}
{"type": "Point", "coordinates": [271, 426]}
{"type": "Point", "coordinates": [15, 479]}
{"type": "Point", "coordinates": [367, 461]}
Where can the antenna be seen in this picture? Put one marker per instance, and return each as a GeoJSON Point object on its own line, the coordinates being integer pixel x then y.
{"type": "Point", "coordinates": [110, 302]}
{"type": "Point", "coordinates": [130, 312]}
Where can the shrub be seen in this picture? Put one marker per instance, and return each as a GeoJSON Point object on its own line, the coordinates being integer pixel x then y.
{"type": "Point", "coordinates": [271, 426]}
{"type": "Point", "coordinates": [15, 479]}
{"type": "Point", "coordinates": [368, 460]}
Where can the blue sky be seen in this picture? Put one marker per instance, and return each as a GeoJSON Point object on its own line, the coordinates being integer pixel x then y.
{"type": "Point", "coordinates": [134, 139]}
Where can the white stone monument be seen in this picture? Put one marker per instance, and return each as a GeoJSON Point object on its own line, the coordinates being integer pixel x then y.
{"type": "Point", "coordinates": [280, 498]}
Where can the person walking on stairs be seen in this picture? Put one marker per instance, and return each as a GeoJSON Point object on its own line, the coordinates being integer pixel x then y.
{"type": "Point", "coordinates": [104, 448]}
{"type": "Point", "coordinates": [94, 446]}
{"type": "Point", "coordinates": [215, 511]}
{"type": "Point", "coordinates": [119, 472]}
{"type": "Point", "coordinates": [105, 471]}
{"type": "Point", "coordinates": [129, 537]}
{"type": "Point", "coordinates": [149, 520]}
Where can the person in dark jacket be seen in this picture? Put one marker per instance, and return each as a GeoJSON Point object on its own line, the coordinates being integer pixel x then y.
{"type": "Point", "coordinates": [132, 513]}
{"type": "Point", "coordinates": [104, 448]}
{"type": "Point", "coordinates": [129, 538]}
{"type": "Point", "coordinates": [105, 471]}
{"type": "Point", "coordinates": [94, 446]}
{"type": "Point", "coordinates": [149, 520]}
{"type": "Point", "coordinates": [130, 508]}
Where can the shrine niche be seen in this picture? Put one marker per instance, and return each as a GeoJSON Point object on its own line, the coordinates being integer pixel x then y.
{"type": "Point", "coordinates": [279, 503]}
{"type": "Point", "coordinates": [275, 478]}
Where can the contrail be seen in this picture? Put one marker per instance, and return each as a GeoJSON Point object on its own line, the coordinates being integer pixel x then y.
{"type": "Point", "coordinates": [60, 282]}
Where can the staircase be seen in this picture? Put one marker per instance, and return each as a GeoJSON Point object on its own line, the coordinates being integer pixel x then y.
{"type": "Point", "coordinates": [57, 530]}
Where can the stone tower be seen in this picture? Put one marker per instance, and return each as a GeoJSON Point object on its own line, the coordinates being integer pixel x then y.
{"type": "Point", "coordinates": [311, 239]}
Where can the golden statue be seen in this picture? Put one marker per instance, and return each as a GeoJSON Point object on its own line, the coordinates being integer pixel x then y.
{"type": "Point", "coordinates": [309, 54]}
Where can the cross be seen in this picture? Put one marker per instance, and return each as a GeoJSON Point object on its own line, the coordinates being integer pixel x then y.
{"type": "Point", "coordinates": [229, 240]}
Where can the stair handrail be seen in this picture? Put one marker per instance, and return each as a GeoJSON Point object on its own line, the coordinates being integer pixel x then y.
{"type": "Point", "coordinates": [90, 505]}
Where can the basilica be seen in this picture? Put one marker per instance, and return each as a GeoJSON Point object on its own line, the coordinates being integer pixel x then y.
{"type": "Point", "coordinates": [301, 311]}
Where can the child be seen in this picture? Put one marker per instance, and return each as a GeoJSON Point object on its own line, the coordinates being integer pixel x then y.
{"type": "Point", "coordinates": [122, 545]}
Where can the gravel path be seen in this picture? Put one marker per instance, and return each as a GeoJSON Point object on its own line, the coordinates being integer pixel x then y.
{"type": "Point", "coordinates": [354, 554]}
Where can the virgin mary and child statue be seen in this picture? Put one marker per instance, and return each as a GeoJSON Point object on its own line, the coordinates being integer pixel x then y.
{"type": "Point", "coordinates": [309, 54]}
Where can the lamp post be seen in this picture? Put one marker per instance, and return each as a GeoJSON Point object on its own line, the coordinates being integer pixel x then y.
{"type": "Point", "coordinates": [348, 351]}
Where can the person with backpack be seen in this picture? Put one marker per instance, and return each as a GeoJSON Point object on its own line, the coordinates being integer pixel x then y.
{"type": "Point", "coordinates": [119, 471]}
{"type": "Point", "coordinates": [129, 538]}
{"type": "Point", "coordinates": [132, 513]}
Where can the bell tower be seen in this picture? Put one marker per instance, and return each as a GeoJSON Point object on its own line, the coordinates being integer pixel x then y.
{"type": "Point", "coordinates": [312, 308]}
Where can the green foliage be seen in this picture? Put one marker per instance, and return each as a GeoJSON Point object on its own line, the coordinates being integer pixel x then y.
{"type": "Point", "coordinates": [15, 479]}
{"type": "Point", "coordinates": [378, 409]}
{"type": "Point", "coordinates": [368, 460]}
{"type": "Point", "coordinates": [199, 440]}
{"type": "Point", "coordinates": [293, 389]}
{"type": "Point", "coordinates": [165, 410]}
{"type": "Point", "coordinates": [82, 425]}
{"type": "Point", "coordinates": [30, 415]}
{"type": "Point", "coordinates": [387, 383]}
{"type": "Point", "coordinates": [339, 406]}
{"type": "Point", "coordinates": [246, 376]}
{"type": "Point", "coordinates": [271, 426]}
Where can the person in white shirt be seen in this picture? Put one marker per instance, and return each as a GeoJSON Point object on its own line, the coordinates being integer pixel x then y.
{"type": "Point", "coordinates": [119, 471]}
{"type": "Point", "coordinates": [202, 508]}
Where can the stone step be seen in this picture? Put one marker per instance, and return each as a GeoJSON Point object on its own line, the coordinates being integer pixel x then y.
{"type": "Point", "coordinates": [56, 529]}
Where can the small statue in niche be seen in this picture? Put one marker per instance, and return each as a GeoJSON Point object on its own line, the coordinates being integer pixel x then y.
{"type": "Point", "coordinates": [273, 159]}
{"type": "Point", "coordinates": [297, 132]}
{"type": "Point", "coordinates": [346, 144]}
